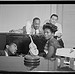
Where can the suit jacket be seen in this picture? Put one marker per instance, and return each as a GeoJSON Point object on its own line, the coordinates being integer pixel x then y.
{"type": "Point", "coordinates": [2, 53]}
{"type": "Point", "coordinates": [33, 30]}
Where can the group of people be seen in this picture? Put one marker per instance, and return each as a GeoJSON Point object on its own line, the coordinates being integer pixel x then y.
{"type": "Point", "coordinates": [51, 30]}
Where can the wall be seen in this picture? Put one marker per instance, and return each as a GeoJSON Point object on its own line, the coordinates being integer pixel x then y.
{"type": "Point", "coordinates": [66, 13]}
{"type": "Point", "coordinates": [69, 24]}
{"type": "Point", "coordinates": [15, 16]}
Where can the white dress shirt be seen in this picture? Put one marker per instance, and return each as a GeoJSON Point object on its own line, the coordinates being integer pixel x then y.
{"type": "Point", "coordinates": [6, 54]}
{"type": "Point", "coordinates": [59, 27]}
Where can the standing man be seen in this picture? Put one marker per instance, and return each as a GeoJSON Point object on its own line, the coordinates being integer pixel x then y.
{"type": "Point", "coordinates": [35, 28]}
{"type": "Point", "coordinates": [58, 34]}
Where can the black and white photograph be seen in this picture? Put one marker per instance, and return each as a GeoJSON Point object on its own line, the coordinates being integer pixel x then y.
{"type": "Point", "coordinates": [37, 38]}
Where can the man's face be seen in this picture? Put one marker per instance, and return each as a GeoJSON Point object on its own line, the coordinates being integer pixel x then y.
{"type": "Point", "coordinates": [54, 19]}
{"type": "Point", "coordinates": [36, 24]}
{"type": "Point", "coordinates": [12, 48]}
{"type": "Point", "coordinates": [47, 33]}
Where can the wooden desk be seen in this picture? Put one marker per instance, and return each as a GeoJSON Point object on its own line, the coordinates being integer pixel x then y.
{"type": "Point", "coordinates": [66, 52]}
{"type": "Point", "coordinates": [16, 64]}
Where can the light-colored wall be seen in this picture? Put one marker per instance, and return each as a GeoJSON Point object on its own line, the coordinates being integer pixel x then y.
{"type": "Point", "coordinates": [66, 13]}
{"type": "Point", "coordinates": [15, 16]}
{"type": "Point", "coordinates": [69, 24]}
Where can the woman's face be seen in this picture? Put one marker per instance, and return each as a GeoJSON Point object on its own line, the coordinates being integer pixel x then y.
{"type": "Point", "coordinates": [47, 33]}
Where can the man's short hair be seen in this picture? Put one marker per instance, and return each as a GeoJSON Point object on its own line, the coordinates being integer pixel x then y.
{"type": "Point", "coordinates": [36, 18]}
{"type": "Point", "coordinates": [54, 15]}
{"type": "Point", "coordinates": [10, 43]}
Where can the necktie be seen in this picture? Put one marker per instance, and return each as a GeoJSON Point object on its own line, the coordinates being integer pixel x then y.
{"type": "Point", "coordinates": [36, 31]}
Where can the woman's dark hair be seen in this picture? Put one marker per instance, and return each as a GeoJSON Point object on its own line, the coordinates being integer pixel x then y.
{"type": "Point", "coordinates": [54, 15]}
{"type": "Point", "coordinates": [50, 26]}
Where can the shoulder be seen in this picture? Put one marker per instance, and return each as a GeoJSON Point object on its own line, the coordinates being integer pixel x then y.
{"type": "Point", "coordinates": [32, 29]}
{"type": "Point", "coordinates": [2, 53]}
{"type": "Point", "coordinates": [54, 42]}
{"type": "Point", "coordinates": [41, 28]}
{"type": "Point", "coordinates": [58, 24]}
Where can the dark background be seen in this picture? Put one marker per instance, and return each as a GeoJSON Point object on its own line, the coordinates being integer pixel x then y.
{"type": "Point", "coordinates": [22, 41]}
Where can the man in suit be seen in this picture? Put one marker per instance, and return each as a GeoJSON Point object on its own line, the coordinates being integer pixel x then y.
{"type": "Point", "coordinates": [10, 50]}
{"type": "Point", "coordinates": [35, 27]}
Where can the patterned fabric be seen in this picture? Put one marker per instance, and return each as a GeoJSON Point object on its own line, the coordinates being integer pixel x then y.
{"type": "Point", "coordinates": [46, 46]}
{"type": "Point", "coordinates": [54, 43]}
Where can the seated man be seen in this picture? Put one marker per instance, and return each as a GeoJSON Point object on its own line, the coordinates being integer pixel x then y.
{"type": "Point", "coordinates": [52, 44]}
{"type": "Point", "coordinates": [10, 50]}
